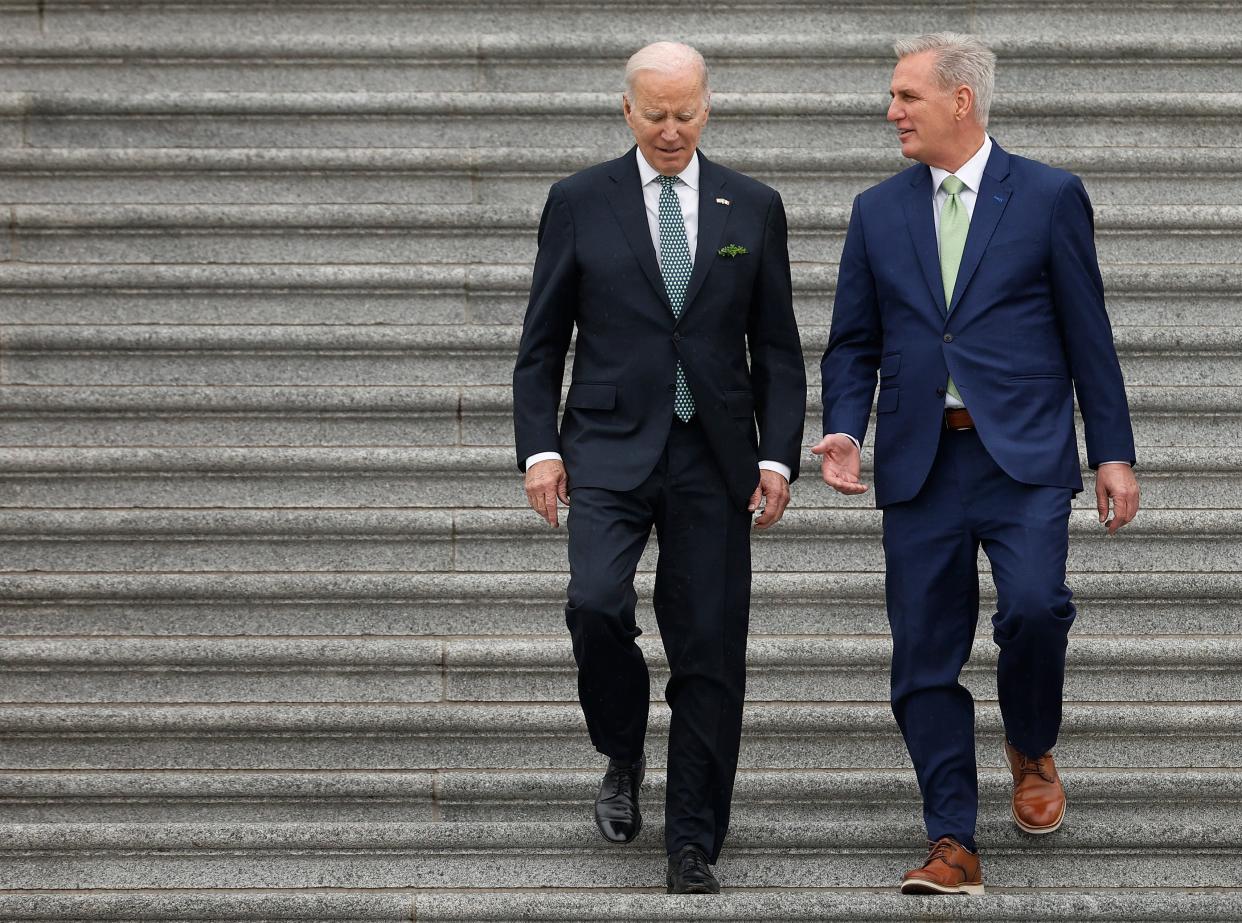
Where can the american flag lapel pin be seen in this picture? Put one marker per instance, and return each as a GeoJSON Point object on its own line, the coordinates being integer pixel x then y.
{"type": "Point", "coordinates": [720, 201]}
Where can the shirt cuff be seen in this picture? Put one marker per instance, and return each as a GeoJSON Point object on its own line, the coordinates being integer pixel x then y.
{"type": "Point", "coordinates": [1126, 463]}
{"type": "Point", "coordinates": [857, 444]}
{"type": "Point", "coordinates": [782, 470]}
{"type": "Point", "coordinates": [541, 456]}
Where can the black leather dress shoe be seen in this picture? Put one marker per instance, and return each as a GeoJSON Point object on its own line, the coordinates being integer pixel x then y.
{"type": "Point", "coordinates": [616, 805]}
{"type": "Point", "coordinates": [689, 873]}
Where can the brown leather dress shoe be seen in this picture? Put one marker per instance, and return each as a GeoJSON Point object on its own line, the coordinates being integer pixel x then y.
{"type": "Point", "coordinates": [950, 868]}
{"type": "Point", "coordinates": [1038, 799]}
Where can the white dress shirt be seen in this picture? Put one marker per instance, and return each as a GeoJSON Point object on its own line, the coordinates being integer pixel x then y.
{"type": "Point", "coordinates": [688, 197]}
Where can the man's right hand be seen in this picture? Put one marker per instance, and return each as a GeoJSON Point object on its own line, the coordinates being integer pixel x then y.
{"type": "Point", "coordinates": [840, 463]}
{"type": "Point", "coordinates": [545, 482]}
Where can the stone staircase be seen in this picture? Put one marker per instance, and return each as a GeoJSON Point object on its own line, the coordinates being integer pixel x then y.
{"type": "Point", "coordinates": [280, 640]}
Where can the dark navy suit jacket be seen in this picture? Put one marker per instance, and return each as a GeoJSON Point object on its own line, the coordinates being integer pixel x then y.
{"type": "Point", "coordinates": [1025, 328]}
{"type": "Point", "coordinates": [597, 270]}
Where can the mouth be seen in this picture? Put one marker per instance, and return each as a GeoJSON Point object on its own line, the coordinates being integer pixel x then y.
{"type": "Point", "coordinates": [669, 150]}
{"type": "Point", "coordinates": [904, 133]}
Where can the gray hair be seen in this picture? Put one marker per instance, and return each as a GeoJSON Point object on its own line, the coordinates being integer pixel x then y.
{"type": "Point", "coordinates": [960, 60]}
{"type": "Point", "coordinates": [667, 58]}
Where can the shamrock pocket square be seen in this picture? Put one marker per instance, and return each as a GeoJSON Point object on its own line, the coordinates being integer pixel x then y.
{"type": "Point", "coordinates": [732, 250]}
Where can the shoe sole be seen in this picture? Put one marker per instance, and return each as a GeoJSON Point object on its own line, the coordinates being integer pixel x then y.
{"type": "Point", "coordinates": [692, 890]}
{"type": "Point", "coordinates": [1037, 831]}
{"type": "Point", "coordinates": [928, 887]}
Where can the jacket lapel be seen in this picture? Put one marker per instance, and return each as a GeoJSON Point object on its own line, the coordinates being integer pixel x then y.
{"type": "Point", "coordinates": [625, 195]}
{"type": "Point", "coordinates": [712, 219]}
{"type": "Point", "coordinates": [922, 227]}
{"type": "Point", "coordinates": [990, 204]}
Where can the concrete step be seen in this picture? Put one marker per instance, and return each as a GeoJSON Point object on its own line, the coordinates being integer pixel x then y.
{"type": "Point", "coordinates": [736, 905]}
{"type": "Point", "coordinates": [766, 60]}
{"type": "Point", "coordinates": [233, 416]}
{"type": "Point", "coordinates": [532, 19]}
{"type": "Point", "coordinates": [471, 294]}
{"type": "Point", "coordinates": [779, 669]}
{"type": "Point", "coordinates": [1181, 477]}
{"type": "Point", "coordinates": [308, 736]}
{"type": "Point", "coordinates": [409, 419]}
{"type": "Point", "coordinates": [371, 234]}
{"type": "Point", "coordinates": [455, 796]}
{"type": "Point", "coordinates": [471, 540]}
{"type": "Point", "coordinates": [497, 176]}
{"type": "Point", "coordinates": [214, 355]}
{"type": "Point", "coordinates": [1182, 849]}
{"type": "Point", "coordinates": [1158, 603]}
{"type": "Point", "coordinates": [834, 120]}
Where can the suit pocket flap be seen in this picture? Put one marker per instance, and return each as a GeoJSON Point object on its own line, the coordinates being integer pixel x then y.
{"type": "Point", "coordinates": [588, 395]}
{"type": "Point", "coordinates": [740, 403]}
{"type": "Point", "coordinates": [887, 401]}
{"type": "Point", "coordinates": [890, 365]}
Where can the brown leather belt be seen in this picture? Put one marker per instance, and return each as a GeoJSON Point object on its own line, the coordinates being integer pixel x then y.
{"type": "Point", "coordinates": [958, 418]}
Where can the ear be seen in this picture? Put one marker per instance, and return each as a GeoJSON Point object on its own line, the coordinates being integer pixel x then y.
{"type": "Point", "coordinates": [963, 103]}
{"type": "Point", "coordinates": [625, 106]}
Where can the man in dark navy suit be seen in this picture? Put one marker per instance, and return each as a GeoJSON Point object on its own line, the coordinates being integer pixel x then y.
{"type": "Point", "coordinates": [675, 273]}
{"type": "Point", "coordinates": [969, 282]}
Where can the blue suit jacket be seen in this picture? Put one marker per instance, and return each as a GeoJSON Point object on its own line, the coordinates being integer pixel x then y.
{"type": "Point", "coordinates": [1026, 326]}
{"type": "Point", "coordinates": [597, 271]}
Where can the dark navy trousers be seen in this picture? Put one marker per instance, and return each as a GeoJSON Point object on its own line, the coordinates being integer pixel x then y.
{"type": "Point", "coordinates": [931, 548]}
{"type": "Point", "coordinates": [702, 605]}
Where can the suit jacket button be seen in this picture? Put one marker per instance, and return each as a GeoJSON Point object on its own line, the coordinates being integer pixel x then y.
{"type": "Point", "coordinates": [676, 337]}
{"type": "Point", "coordinates": [948, 338]}
{"type": "Point", "coordinates": [940, 392]}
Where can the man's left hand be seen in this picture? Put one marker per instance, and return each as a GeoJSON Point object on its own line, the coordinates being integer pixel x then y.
{"type": "Point", "coordinates": [1116, 482]}
{"type": "Point", "coordinates": [774, 491]}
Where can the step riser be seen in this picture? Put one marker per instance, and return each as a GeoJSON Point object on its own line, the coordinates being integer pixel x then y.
{"type": "Point", "coordinates": [97, 307]}
{"type": "Point", "coordinates": [186, 552]}
{"type": "Point", "coordinates": [412, 683]}
{"type": "Point", "coordinates": [888, 798]}
{"type": "Point", "coordinates": [341, 129]}
{"type": "Point", "coordinates": [492, 187]}
{"type": "Point", "coordinates": [779, 18]}
{"type": "Point", "coordinates": [290, 428]}
{"type": "Point", "coordinates": [500, 489]}
{"type": "Point", "coordinates": [482, 616]}
{"type": "Point", "coordinates": [255, 367]}
{"type": "Point", "coordinates": [805, 73]}
{"type": "Point", "coordinates": [505, 245]}
{"type": "Point", "coordinates": [501, 749]}
{"type": "Point", "coordinates": [598, 869]}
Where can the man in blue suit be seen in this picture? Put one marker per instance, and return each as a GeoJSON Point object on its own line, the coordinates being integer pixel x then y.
{"type": "Point", "coordinates": [674, 271]}
{"type": "Point", "coordinates": [969, 282]}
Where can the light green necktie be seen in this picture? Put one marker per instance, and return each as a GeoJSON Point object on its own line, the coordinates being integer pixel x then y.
{"type": "Point", "coordinates": [954, 224]}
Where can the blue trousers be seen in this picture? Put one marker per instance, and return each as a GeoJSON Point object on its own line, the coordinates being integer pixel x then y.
{"type": "Point", "coordinates": [931, 546]}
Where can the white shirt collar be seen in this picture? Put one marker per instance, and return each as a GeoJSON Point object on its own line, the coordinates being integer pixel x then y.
{"type": "Point", "coordinates": [970, 173]}
{"type": "Point", "coordinates": [647, 173]}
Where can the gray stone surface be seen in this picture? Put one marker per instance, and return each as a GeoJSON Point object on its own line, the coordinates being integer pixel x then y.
{"type": "Point", "coordinates": [409, 737]}
{"type": "Point", "coordinates": [259, 467]}
{"type": "Point", "coordinates": [1175, 851]}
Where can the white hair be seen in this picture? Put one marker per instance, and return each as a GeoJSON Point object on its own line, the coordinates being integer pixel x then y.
{"type": "Point", "coordinates": [961, 60]}
{"type": "Point", "coordinates": [667, 58]}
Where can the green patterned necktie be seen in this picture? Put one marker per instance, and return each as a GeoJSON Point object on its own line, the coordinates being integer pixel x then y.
{"type": "Point", "coordinates": [954, 224]}
{"type": "Point", "coordinates": [675, 266]}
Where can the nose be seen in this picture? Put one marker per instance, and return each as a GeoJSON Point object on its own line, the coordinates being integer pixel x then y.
{"type": "Point", "coordinates": [669, 131]}
{"type": "Point", "coordinates": [895, 112]}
